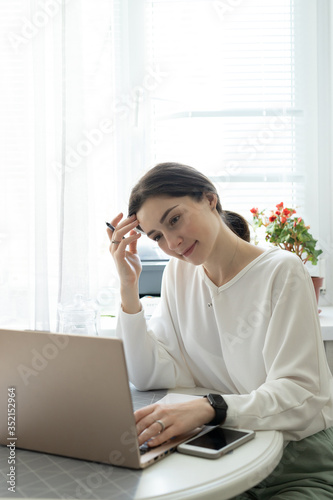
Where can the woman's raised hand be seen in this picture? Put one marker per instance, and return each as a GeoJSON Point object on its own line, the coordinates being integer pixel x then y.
{"type": "Point", "coordinates": [124, 252]}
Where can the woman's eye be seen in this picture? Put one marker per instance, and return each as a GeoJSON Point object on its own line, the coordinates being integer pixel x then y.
{"type": "Point", "coordinates": [157, 237]}
{"type": "Point", "coordinates": [174, 220]}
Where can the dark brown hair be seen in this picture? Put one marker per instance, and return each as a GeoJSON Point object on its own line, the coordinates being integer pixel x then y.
{"type": "Point", "coordinates": [176, 180]}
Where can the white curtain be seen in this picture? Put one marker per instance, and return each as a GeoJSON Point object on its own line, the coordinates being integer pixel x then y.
{"type": "Point", "coordinates": [57, 171]}
{"type": "Point", "coordinates": [82, 96]}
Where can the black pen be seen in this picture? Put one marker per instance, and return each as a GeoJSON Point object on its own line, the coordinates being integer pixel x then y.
{"type": "Point", "coordinates": [110, 226]}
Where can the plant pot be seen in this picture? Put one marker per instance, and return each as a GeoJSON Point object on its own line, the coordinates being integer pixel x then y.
{"type": "Point", "coordinates": [317, 283]}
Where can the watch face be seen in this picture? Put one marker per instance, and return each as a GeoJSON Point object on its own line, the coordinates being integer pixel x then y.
{"type": "Point", "coordinates": [217, 401]}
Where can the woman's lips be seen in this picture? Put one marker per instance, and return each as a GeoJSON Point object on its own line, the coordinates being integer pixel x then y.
{"type": "Point", "coordinates": [188, 252]}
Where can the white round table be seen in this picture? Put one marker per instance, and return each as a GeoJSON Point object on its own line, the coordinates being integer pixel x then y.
{"type": "Point", "coordinates": [186, 477]}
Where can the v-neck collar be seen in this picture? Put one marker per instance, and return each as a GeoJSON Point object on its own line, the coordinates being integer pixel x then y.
{"type": "Point", "coordinates": [218, 289]}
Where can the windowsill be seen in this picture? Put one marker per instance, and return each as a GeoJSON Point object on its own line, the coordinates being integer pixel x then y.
{"type": "Point", "coordinates": [108, 325]}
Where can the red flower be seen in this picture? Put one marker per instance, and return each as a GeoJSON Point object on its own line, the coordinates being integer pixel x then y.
{"type": "Point", "coordinates": [286, 231]}
{"type": "Point", "coordinates": [298, 221]}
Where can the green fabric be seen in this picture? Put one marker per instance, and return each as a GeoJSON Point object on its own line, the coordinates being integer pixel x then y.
{"type": "Point", "coordinates": [304, 472]}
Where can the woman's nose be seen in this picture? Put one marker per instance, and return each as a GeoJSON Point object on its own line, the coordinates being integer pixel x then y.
{"type": "Point", "coordinates": [173, 241]}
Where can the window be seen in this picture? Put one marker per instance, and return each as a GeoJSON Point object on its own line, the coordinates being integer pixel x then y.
{"type": "Point", "coordinates": [229, 99]}
{"type": "Point", "coordinates": [94, 93]}
{"type": "Point", "coordinates": [235, 96]}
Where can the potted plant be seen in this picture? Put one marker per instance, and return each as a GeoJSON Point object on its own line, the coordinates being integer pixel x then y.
{"type": "Point", "coordinates": [289, 232]}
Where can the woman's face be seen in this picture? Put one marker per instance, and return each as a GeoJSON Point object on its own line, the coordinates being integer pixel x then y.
{"type": "Point", "coordinates": [183, 227]}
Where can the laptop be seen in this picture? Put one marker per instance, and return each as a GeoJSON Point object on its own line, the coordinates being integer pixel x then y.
{"type": "Point", "coordinates": [70, 396]}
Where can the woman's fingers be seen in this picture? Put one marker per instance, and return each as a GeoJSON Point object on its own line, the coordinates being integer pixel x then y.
{"type": "Point", "coordinates": [122, 228]}
{"type": "Point", "coordinates": [158, 423]}
{"type": "Point", "coordinates": [117, 219]}
{"type": "Point", "coordinates": [149, 425]}
{"type": "Point", "coordinates": [114, 223]}
{"type": "Point", "coordinates": [133, 245]}
{"type": "Point", "coordinates": [120, 246]}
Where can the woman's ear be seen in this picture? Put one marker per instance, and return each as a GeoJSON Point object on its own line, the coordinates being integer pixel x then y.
{"type": "Point", "coordinates": [212, 200]}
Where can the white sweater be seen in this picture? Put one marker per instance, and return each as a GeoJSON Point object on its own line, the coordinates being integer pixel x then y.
{"type": "Point", "coordinates": [256, 340]}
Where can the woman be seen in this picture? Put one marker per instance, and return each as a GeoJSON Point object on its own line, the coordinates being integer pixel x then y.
{"type": "Point", "coordinates": [234, 318]}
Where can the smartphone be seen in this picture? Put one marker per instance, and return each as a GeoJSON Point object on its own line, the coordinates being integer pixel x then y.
{"type": "Point", "coordinates": [215, 442]}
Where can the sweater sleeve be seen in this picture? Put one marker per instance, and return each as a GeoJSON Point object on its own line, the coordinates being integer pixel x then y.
{"type": "Point", "coordinates": [154, 357]}
{"type": "Point", "coordinates": [298, 387]}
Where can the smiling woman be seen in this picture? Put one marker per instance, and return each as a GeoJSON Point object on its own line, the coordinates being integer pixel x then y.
{"type": "Point", "coordinates": [231, 318]}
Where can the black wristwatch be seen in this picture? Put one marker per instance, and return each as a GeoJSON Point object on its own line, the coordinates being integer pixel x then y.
{"type": "Point", "coordinates": [220, 407]}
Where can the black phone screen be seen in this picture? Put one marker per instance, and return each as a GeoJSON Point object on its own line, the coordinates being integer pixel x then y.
{"type": "Point", "coordinates": [217, 438]}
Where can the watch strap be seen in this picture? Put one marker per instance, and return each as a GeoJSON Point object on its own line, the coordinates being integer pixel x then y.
{"type": "Point", "coordinates": [220, 406]}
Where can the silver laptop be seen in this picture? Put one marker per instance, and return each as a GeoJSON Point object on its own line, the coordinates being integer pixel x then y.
{"type": "Point", "coordinates": [70, 395]}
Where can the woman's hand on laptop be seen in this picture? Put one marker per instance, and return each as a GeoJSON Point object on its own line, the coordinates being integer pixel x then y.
{"type": "Point", "coordinates": [159, 422]}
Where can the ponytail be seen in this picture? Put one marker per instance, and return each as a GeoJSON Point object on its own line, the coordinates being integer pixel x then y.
{"type": "Point", "coordinates": [237, 224]}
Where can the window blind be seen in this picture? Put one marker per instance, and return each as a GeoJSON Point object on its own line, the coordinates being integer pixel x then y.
{"type": "Point", "coordinates": [230, 102]}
